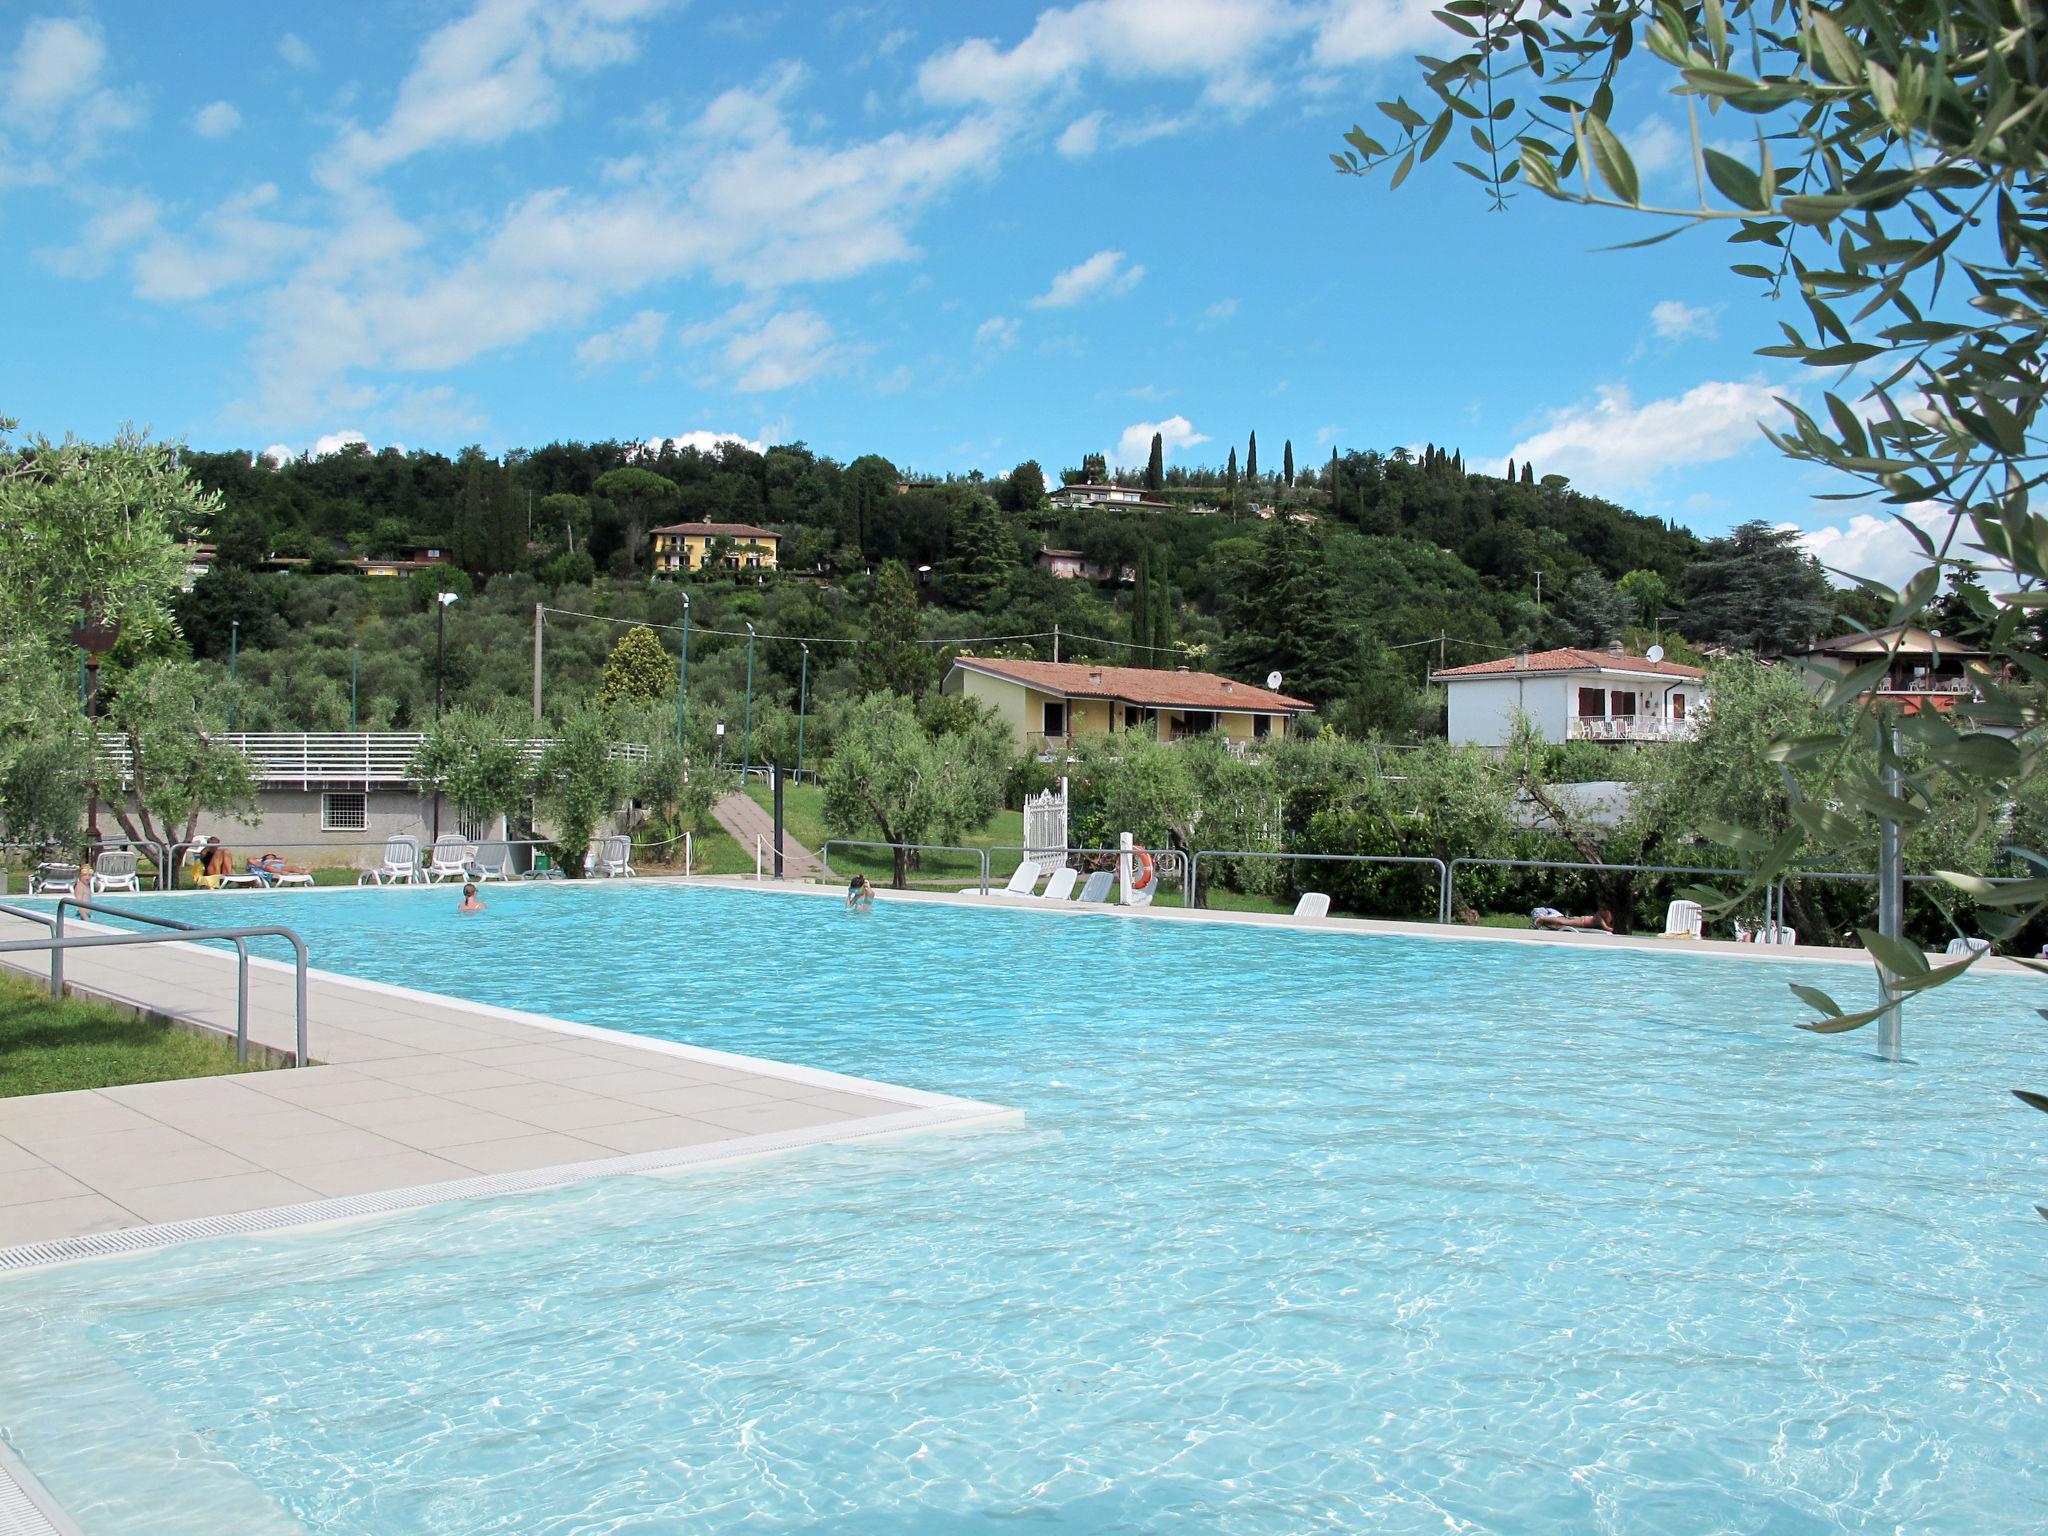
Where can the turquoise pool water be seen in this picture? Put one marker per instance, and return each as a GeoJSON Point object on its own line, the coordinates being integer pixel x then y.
{"type": "Point", "coordinates": [1303, 1232]}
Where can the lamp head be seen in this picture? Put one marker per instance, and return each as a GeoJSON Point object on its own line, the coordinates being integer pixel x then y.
{"type": "Point", "coordinates": [447, 597]}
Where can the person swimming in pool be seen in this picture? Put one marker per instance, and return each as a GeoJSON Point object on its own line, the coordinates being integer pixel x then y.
{"type": "Point", "coordinates": [860, 896]}
{"type": "Point", "coordinates": [469, 900]}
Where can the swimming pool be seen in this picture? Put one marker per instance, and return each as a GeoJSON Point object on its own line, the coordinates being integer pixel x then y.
{"type": "Point", "coordinates": [1303, 1231]}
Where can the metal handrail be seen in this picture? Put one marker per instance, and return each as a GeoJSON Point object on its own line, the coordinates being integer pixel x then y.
{"type": "Point", "coordinates": [1169, 863]}
{"type": "Point", "coordinates": [1451, 877]}
{"type": "Point", "coordinates": [1785, 880]}
{"type": "Point", "coordinates": [825, 853]}
{"type": "Point", "coordinates": [59, 942]}
{"type": "Point", "coordinates": [1442, 872]}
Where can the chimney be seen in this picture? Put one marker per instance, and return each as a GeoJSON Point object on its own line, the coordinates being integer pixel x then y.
{"type": "Point", "coordinates": [1614, 648]}
{"type": "Point", "coordinates": [1180, 669]}
{"type": "Point", "coordinates": [1226, 685]}
{"type": "Point", "coordinates": [1521, 661]}
{"type": "Point", "coordinates": [1095, 679]}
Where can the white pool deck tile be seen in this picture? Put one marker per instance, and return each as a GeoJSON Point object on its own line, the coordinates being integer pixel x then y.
{"type": "Point", "coordinates": [415, 1095]}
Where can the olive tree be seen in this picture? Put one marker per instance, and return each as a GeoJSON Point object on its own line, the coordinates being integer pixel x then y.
{"type": "Point", "coordinates": [889, 775]}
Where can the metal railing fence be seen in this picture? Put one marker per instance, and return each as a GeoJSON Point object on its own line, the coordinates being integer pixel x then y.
{"type": "Point", "coordinates": [825, 853]}
{"type": "Point", "coordinates": [1786, 881]}
{"type": "Point", "coordinates": [1442, 873]}
{"type": "Point", "coordinates": [1451, 878]}
{"type": "Point", "coordinates": [59, 943]}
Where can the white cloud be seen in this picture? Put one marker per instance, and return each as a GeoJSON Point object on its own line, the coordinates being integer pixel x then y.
{"type": "Point", "coordinates": [489, 75]}
{"type": "Point", "coordinates": [216, 120]}
{"type": "Point", "coordinates": [334, 442]}
{"type": "Point", "coordinates": [1102, 273]}
{"type": "Point", "coordinates": [703, 442]}
{"type": "Point", "coordinates": [1213, 41]}
{"type": "Point", "coordinates": [1176, 433]}
{"type": "Point", "coordinates": [293, 50]}
{"type": "Point", "coordinates": [277, 454]}
{"type": "Point", "coordinates": [1352, 32]}
{"type": "Point", "coordinates": [1220, 311]}
{"type": "Point", "coordinates": [1875, 545]}
{"type": "Point", "coordinates": [56, 62]}
{"type": "Point", "coordinates": [1610, 444]}
{"type": "Point", "coordinates": [234, 245]}
{"type": "Point", "coordinates": [786, 349]}
{"type": "Point", "coordinates": [1080, 137]}
{"type": "Point", "coordinates": [1656, 146]}
{"type": "Point", "coordinates": [634, 338]}
{"type": "Point", "coordinates": [1676, 320]}
{"type": "Point", "coordinates": [997, 331]}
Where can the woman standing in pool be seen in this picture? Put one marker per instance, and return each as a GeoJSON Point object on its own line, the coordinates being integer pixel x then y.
{"type": "Point", "coordinates": [860, 896]}
{"type": "Point", "coordinates": [470, 903]}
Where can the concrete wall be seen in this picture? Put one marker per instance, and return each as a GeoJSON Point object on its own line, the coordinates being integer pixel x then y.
{"type": "Point", "coordinates": [289, 823]}
{"type": "Point", "coordinates": [1482, 709]}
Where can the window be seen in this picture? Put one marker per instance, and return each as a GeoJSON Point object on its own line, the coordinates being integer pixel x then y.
{"type": "Point", "coordinates": [472, 825]}
{"type": "Point", "coordinates": [342, 812]}
{"type": "Point", "coordinates": [1194, 722]}
{"type": "Point", "coordinates": [1621, 705]}
{"type": "Point", "coordinates": [1262, 725]}
{"type": "Point", "coordinates": [1055, 721]}
{"type": "Point", "coordinates": [1592, 703]}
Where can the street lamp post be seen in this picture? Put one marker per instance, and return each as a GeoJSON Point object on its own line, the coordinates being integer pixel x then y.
{"type": "Point", "coordinates": [683, 674]}
{"type": "Point", "coordinates": [747, 725]}
{"type": "Point", "coordinates": [355, 656]}
{"type": "Point", "coordinates": [441, 644]}
{"type": "Point", "coordinates": [803, 696]}
{"type": "Point", "coordinates": [234, 647]}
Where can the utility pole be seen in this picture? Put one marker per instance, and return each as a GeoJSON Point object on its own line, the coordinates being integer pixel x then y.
{"type": "Point", "coordinates": [234, 648]}
{"type": "Point", "coordinates": [355, 657]}
{"type": "Point", "coordinates": [803, 699]}
{"type": "Point", "coordinates": [683, 674]}
{"type": "Point", "coordinates": [1891, 900]}
{"type": "Point", "coordinates": [537, 621]}
{"type": "Point", "coordinates": [747, 725]}
{"type": "Point", "coordinates": [1055, 642]}
{"type": "Point", "coordinates": [1441, 663]}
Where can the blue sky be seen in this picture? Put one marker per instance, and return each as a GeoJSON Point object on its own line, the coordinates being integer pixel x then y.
{"type": "Point", "coordinates": [958, 234]}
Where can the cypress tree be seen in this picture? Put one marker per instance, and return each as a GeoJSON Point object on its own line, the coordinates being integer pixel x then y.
{"type": "Point", "coordinates": [1335, 481]}
{"type": "Point", "coordinates": [1162, 629]}
{"type": "Point", "coordinates": [1141, 607]}
{"type": "Point", "coordinates": [1528, 473]}
{"type": "Point", "coordinates": [1251, 459]}
{"type": "Point", "coordinates": [1511, 471]}
{"type": "Point", "coordinates": [1155, 466]}
{"type": "Point", "coordinates": [1287, 462]}
{"type": "Point", "coordinates": [1230, 481]}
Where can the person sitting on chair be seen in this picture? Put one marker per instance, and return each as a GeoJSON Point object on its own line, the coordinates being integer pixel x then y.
{"type": "Point", "coordinates": [214, 862]}
{"type": "Point", "coordinates": [1550, 917]}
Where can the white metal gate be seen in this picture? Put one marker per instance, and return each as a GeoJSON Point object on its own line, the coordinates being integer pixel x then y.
{"type": "Point", "coordinates": [1045, 828]}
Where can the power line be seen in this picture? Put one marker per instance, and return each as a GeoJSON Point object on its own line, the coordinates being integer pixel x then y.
{"type": "Point", "coordinates": [741, 634]}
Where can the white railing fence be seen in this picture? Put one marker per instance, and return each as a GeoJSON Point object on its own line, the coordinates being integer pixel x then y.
{"type": "Point", "coordinates": [368, 758]}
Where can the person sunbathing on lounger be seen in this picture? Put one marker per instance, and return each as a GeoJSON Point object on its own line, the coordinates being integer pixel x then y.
{"type": "Point", "coordinates": [1550, 917]}
{"type": "Point", "coordinates": [271, 865]}
{"type": "Point", "coordinates": [214, 862]}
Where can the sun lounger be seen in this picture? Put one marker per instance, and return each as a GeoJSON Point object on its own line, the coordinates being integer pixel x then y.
{"type": "Point", "coordinates": [1061, 886]}
{"type": "Point", "coordinates": [1684, 920]}
{"type": "Point", "coordinates": [54, 880]}
{"type": "Point", "coordinates": [491, 861]}
{"type": "Point", "coordinates": [114, 870]}
{"type": "Point", "coordinates": [1023, 880]}
{"type": "Point", "coordinates": [1962, 946]}
{"type": "Point", "coordinates": [449, 860]}
{"type": "Point", "coordinates": [401, 864]}
{"type": "Point", "coordinates": [613, 857]}
{"type": "Point", "coordinates": [1312, 904]}
{"type": "Point", "coordinates": [1096, 891]}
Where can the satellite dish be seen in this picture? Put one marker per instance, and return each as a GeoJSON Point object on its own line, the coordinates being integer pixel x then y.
{"type": "Point", "coordinates": [1273, 680]}
{"type": "Point", "coordinates": [1656, 653]}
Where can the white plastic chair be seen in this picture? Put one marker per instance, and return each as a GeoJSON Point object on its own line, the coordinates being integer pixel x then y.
{"type": "Point", "coordinates": [1963, 946]}
{"type": "Point", "coordinates": [1096, 891]}
{"type": "Point", "coordinates": [1312, 904]}
{"type": "Point", "coordinates": [1061, 886]}
{"type": "Point", "coordinates": [449, 860]}
{"type": "Point", "coordinates": [1684, 920]}
{"type": "Point", "coordinates": [114, 870]}
{"type": "Point", "coordinates": [491, 861]}
{"type": "Point", "coordinates": [401, 864]}
{"type": "Point", "coordinates": [1023, 880]}
{"type": "Point", "coordinates": [614, 856]}
{"type": "Point", "coordinates": [54, 880]}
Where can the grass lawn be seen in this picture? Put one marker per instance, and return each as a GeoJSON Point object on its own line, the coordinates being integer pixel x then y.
{"type": "Point", "coordinates": [54, 1047]}
{"type": "Point", "coordinates": [803, 815]}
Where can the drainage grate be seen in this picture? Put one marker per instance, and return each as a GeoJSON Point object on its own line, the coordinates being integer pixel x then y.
{"type": "Point", "coordinates": [101, 1245]}
{"type": "Point", "coordinates": [26, 1508]}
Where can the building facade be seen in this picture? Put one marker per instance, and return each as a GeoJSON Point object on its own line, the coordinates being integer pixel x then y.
{"type": "Point", "coordinates": [685, 547]}
{"type": "Point", "coordinates": [1117, 498]}
{"type": "Point", "coordinates": [1573, 695]}
{"type": "Point", "coordinates": [1047, 704]}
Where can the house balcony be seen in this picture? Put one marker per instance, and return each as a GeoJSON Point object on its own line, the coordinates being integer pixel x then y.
{"type": "Point", "coordinates": [1627, 728]}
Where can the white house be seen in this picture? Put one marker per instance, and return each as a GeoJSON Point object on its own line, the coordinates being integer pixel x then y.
{"type": "Point", "coordinates": [1125, 498]}
{"type": "Point", "coordinates": [1574, 695]}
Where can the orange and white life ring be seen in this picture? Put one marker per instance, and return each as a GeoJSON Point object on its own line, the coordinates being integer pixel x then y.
{"type": "Point", "coordinates": [1141, 877]}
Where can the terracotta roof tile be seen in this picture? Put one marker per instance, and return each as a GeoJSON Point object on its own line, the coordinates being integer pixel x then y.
{"type": "Point", "coordinates": [721, 530]}
{"type": "Point", "coordinates": [1137, 685]}
{"type": "Point", "coordinates": [1570, 659]}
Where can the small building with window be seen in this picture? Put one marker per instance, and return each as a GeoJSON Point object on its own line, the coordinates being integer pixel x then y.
{"type": "Point", "coordinates": [1925, 671]}
{"type": "Point", "coordinates": [1047, 704]}
{"type": "Point", "coordinates": [1573, 695]}
{"type": "Point", "coordinates": [1117, 498]}
{"type": "Point", "coordinates": [684, 547]}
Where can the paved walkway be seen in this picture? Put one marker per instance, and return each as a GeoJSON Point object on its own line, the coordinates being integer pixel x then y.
{"type": "Point", "coordinates": [411, 1091]}
{"type": "Point", "coordinates": [745, 820]}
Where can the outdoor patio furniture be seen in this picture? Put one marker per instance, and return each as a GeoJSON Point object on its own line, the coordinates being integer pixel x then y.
{"type": "Point", "coordinates": [613, 857]}
{"type": "Point", "coordinates": [1684, 920]}
{"type": "Point", "coordinates": [1096, 891]}
{"type": "Point", "coordinates": [114, 870]}
{"type": "Point", "coordinates": [1312, 904]}
{"type": "Point", "coordinates": [543, 868]}
{"type": "Point", "coordinates": [491, 861]}
{"type": "Point", "coordinates": [54, 880]}
{"type": "Point", "coordinates": [1061, 886]}
{"type": "Point", "coordinates": [1023, 880]}
{"type": "Point", "coordinates": [1963, 946]}
{"type": "Point", "coordinates": [401, 864]}
{"type": "Point", "coordinates": [450, 859]}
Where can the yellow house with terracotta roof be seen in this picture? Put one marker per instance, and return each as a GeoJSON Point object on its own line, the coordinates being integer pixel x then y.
{"type": "Point", "coordinates": [684, 547]}
{"type": "Point", "coordinates": [1047, 704]}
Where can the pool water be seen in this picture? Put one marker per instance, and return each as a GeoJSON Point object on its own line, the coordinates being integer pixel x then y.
{"type": "Point", "coordinates": [1303, 1232]}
